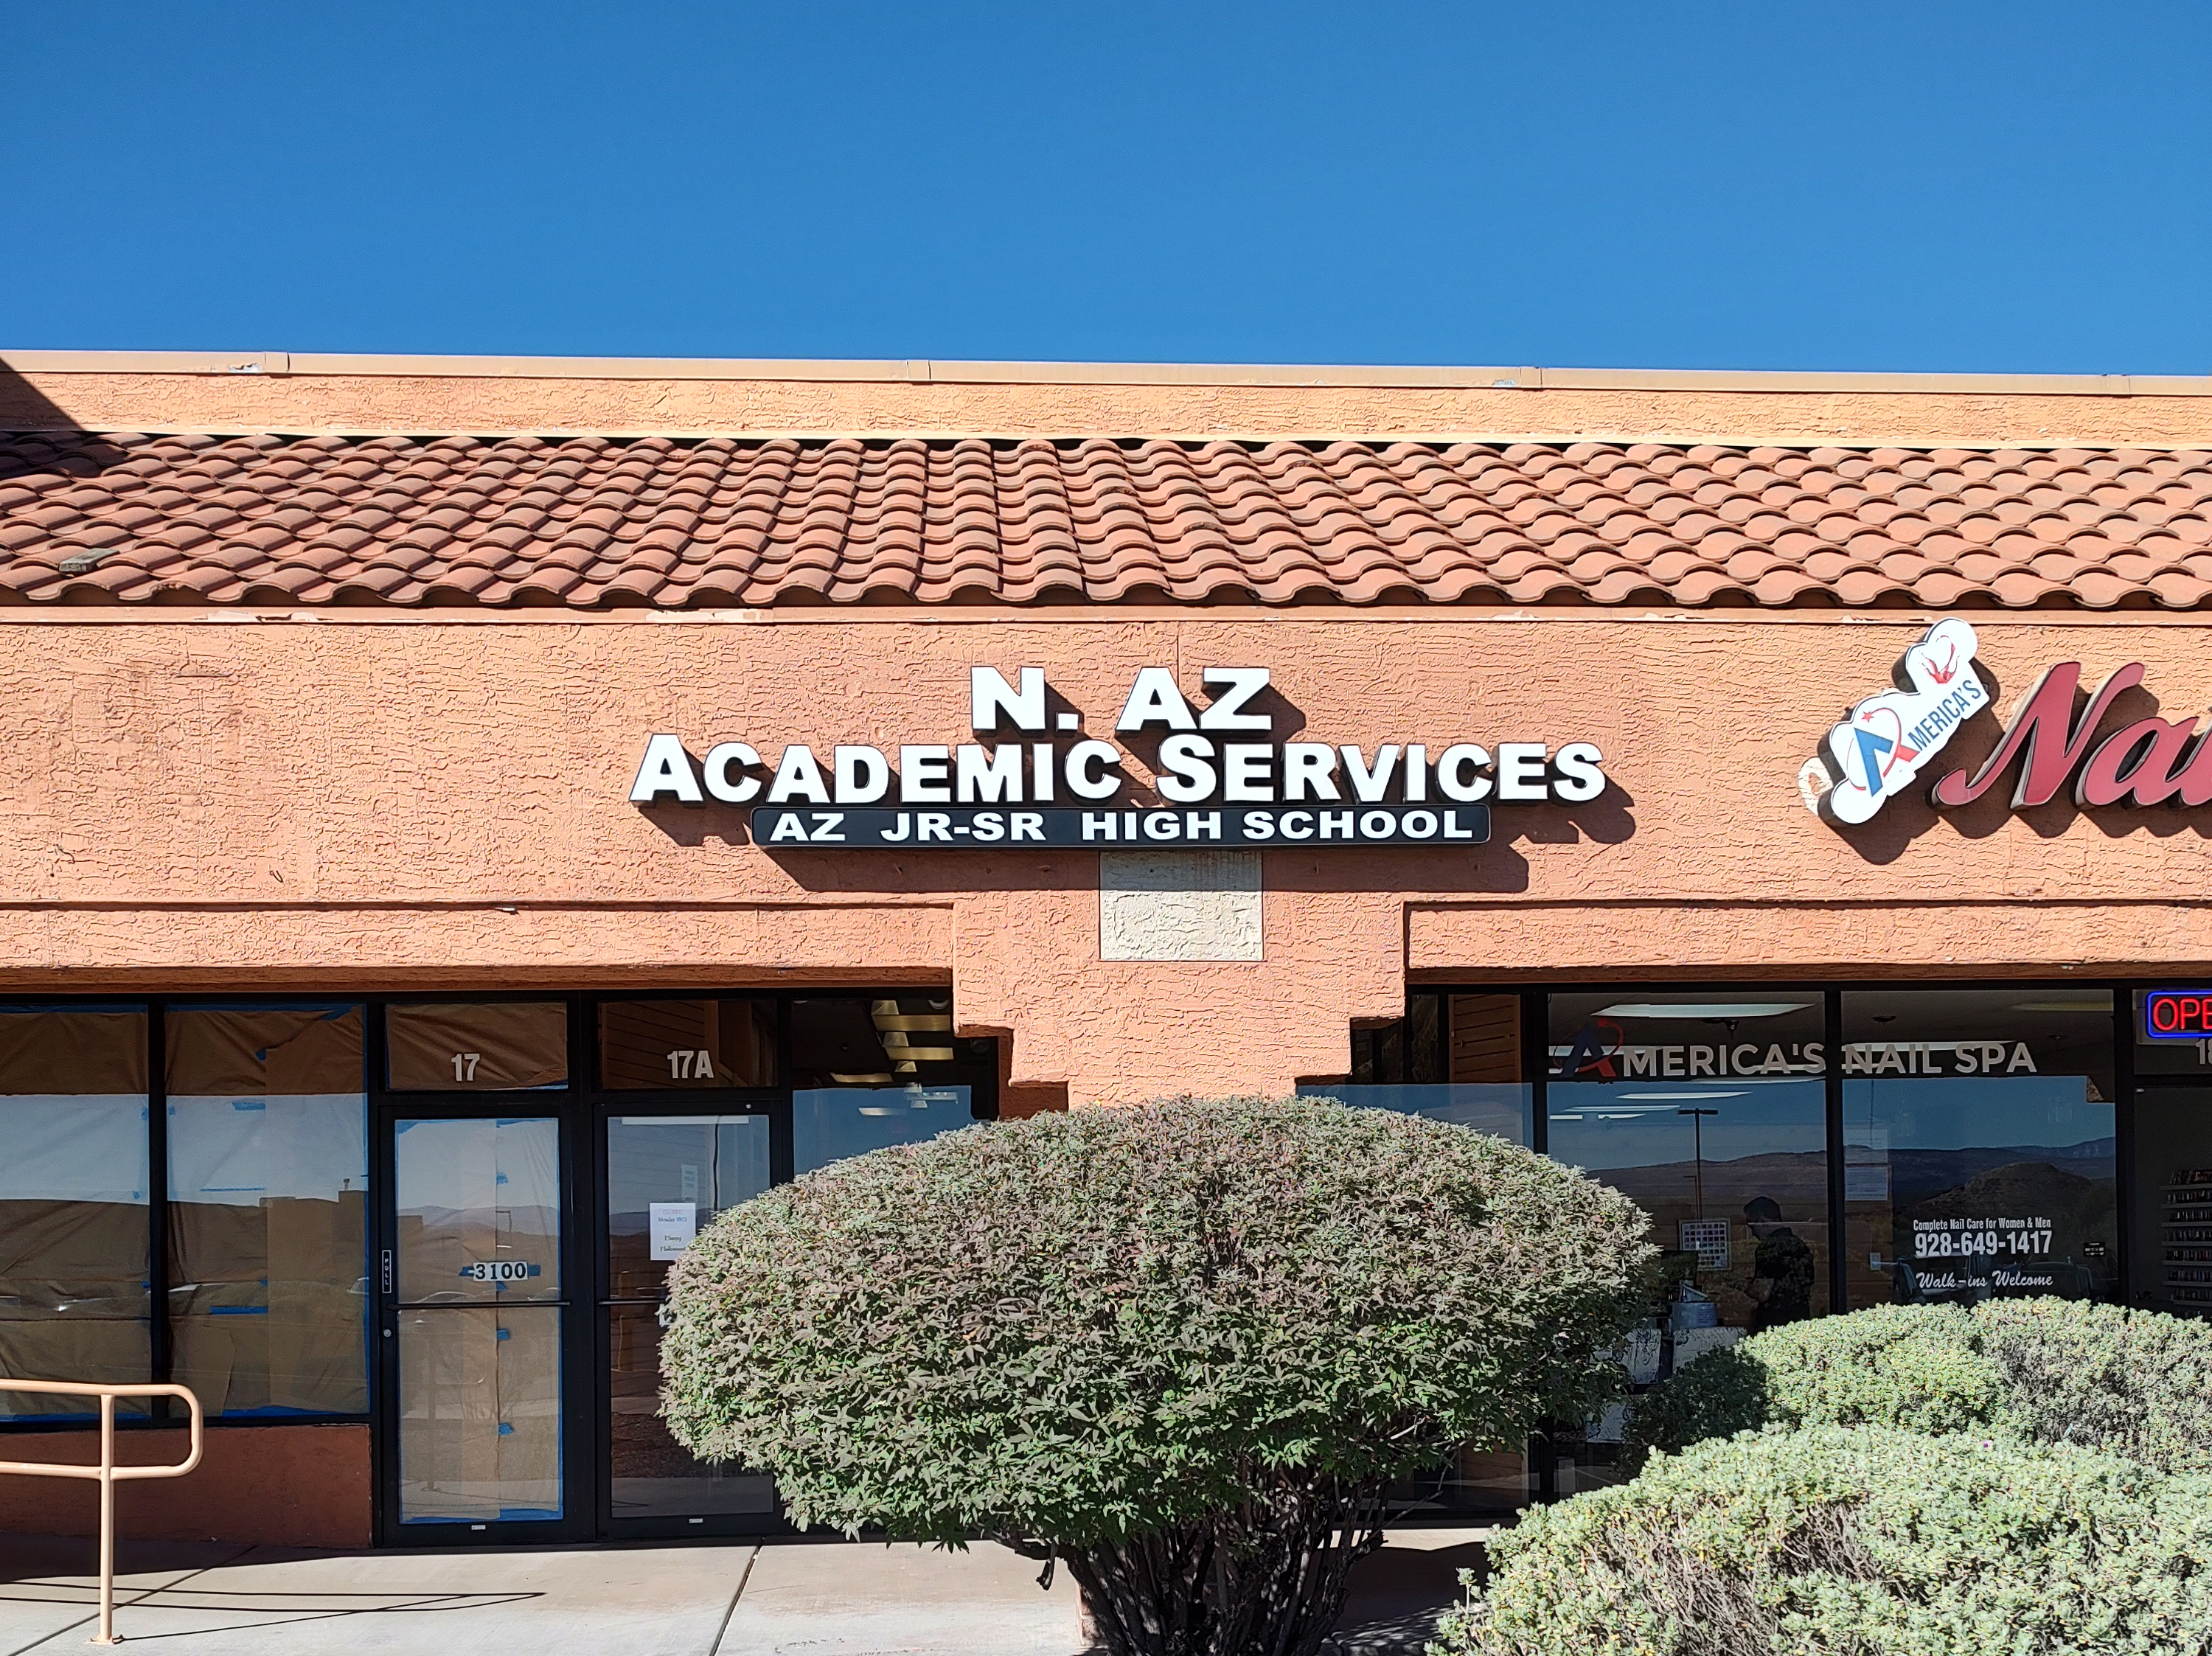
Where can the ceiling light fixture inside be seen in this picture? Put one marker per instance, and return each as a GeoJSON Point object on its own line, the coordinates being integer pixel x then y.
{"type": "Point", "coordinates": [1705, 1009]}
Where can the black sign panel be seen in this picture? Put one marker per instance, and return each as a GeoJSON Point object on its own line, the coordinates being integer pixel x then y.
{"type": "Point", "coordinates": [998, 827]}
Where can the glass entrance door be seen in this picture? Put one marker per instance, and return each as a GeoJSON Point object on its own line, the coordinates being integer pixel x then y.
{"type": "Point", "coordinates": [474, 1320]}
{"type": "Point", "coordinates": [668, 1176]}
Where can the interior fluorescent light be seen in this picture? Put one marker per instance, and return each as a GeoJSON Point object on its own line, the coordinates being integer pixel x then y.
{"type": "Point", "coordinates": [877, 1109]}
{"type": "Point", "coordinates": [2079, 1003]}
{"type": "Point", "coordinates": [1670, 1098]}
{"type": "Point", "coordinates": [1701, 1009]}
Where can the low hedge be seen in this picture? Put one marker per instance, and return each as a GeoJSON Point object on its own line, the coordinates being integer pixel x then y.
{"type": "Point", "coordinates": [2135, 1383]}
{"type": "Point", "coordinates": [1865, 1541]}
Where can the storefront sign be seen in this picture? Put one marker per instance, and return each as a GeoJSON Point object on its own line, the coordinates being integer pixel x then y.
{"type": "Point", "coordinates": [1875, 753]}
{"type": "Point", "coordinates": [1938, 1057]}
{"type": "Point", "coordinates": [2005, 1246]}
{"type": "Point", "coordinates": [1601, 1051]}
{"type": "Point", "coordinates": [2177, 1014]}
{"type": "Point", "coordinates": [1223, 777]}
{"type": "Point", "coordinates": [1395, 825]}
{"type": "Point", "coordinates": [1888, 741]}
{"type": "Point", "coordinates": [1598, 1052]}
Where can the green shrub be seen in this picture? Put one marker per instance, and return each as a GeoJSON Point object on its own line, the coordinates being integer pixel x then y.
{"type": "Point", "coordinates": [2136, 1383]}
{"type": "Point", "coordinates": [1183, 1346]}
{"type": "Point", "coordinates": [1865, 1541]}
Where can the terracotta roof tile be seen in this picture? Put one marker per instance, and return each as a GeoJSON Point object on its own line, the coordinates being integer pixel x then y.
{"type": "Point", "coordinates": [657, 521]}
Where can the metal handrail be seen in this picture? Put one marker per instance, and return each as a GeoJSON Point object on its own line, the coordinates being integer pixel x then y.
{"type": "Point", "coordinates": [107, 1472]}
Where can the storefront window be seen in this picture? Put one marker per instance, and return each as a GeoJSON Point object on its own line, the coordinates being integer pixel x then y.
{"type": "Point", "coordinates": [1710, 1110]}
{"type": "Point", "coordinates": [853, 1040]}
{"type": "Point", "coordinates": [828, 1124]}
{"type": "Point", "coordinates": [268, 1170]}
{"type": "Point", "coordinates": [2170, 1254]}
{"type": "Point", "coordinates": [1979, 1135]}
{"type": "Point", "coordinates": [668, 1177]}
{"type": "Point", "coordinates": [872, 1072]}
{"type": "Point", "coordinates": [477, 1047]}
{"type": "Point", "coordinates": [2173, 1032]}
{"type": "Point", "coordinates": [73, 1304]}
{"type": "Point", "coordinates": [659, 1045]}
{"type": "Point", "coordinates": [1453, 1058]}
{"type": "Point", "coordinates": [2169, 1228]}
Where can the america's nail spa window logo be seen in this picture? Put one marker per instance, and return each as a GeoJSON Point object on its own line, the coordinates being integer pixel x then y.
{"type": "Point", "coordinates": [1882, 746]}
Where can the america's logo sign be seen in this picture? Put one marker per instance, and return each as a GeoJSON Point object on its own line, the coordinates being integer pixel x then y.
{"type": "Point", "coordinates": [1875, 753]}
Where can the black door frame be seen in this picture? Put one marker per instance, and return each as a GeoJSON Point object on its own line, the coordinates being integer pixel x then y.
{"type": "Point", "coordinates": [578, 1198]}
{"type": "Point", "coordinates": [603, 1105]}
{"type": "Point", "coordinates": [583, 1109]}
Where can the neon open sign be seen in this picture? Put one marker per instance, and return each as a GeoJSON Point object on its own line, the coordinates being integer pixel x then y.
{"type": "Point", "coordinates": [2178, 1014]}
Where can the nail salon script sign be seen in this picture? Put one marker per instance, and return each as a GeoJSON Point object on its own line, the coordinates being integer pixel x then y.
{"type": "Point", "coordinates": [1888, 740]}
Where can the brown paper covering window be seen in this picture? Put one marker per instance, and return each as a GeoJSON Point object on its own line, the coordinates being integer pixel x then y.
{"type": "Point", "coordinates": [73, 1299]}
{"type": "Point", "coordinates": [499, 1044]}
{"type": "Point", "coordinates": [42, 1054]}
{"type": "Point", "coordinates": [479, 1412]}
{"type": "Point", "coordinates": [658, 1045]}
{"type": "Point", "coordinates": [275, 1052]}
{"type": "Point", "coordinates": [267, 1303]}
{"type": "Point", "coordinates": [268, 1300]}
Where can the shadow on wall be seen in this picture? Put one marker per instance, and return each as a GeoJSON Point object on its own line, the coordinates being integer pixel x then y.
{"type": "Point", "coordinates": [24, 407]}
{"type": "Point", "coordinates": [1914, 814]}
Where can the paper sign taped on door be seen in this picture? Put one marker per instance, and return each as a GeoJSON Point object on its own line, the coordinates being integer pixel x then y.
{"type": "Point", "coordinates": [672, 1226]}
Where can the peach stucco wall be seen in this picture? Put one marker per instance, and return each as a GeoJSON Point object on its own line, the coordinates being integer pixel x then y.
{"type": "Point", "coordinates": [351, 800]}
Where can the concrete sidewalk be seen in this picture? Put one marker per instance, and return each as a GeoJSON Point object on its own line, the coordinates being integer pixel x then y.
{"type": "Point", "coordinates": [788, 1598]}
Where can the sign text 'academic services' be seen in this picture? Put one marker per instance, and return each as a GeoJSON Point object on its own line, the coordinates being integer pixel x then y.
{"type": "Point", "coordinates": [1035, 779]}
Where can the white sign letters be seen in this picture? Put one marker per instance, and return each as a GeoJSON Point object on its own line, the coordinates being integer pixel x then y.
{"type": "Point", "coordinates": [1218, 747]}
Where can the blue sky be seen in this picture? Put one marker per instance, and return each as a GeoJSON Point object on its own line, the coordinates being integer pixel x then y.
{"type": "Point", "coordinates": [2018, 187]}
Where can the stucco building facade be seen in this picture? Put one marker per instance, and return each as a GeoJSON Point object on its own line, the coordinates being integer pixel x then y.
{"type": "Point", "coordinates": [331, 707]}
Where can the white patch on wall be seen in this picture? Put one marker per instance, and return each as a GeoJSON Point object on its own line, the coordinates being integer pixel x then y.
{"type": "Point", "coordinates": [1179, 904]}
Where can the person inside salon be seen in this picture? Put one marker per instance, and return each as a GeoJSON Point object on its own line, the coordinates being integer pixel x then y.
{"type": "Point", "coordinates": [1782, 1268]}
